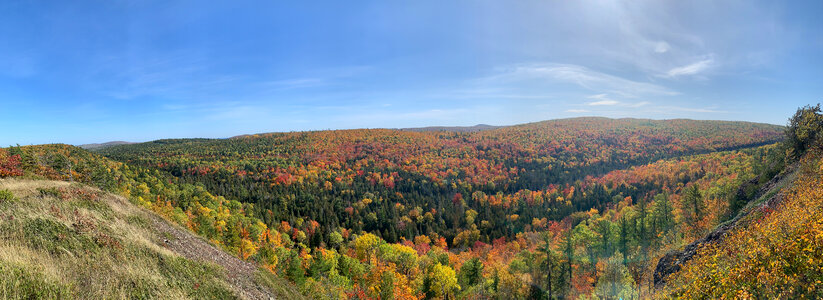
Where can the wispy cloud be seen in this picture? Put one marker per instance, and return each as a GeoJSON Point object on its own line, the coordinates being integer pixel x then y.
{"type": "Point", "coordinates": [674, 110]}
{"type": "Point", "coordinates": [638, 104]}
{"type": "Point", "coordinates": [604, 103]}
{"type": "Point", "coordinates": [584, 77]}
{"type": "Point", "coordinates": [605, 100]}
{"type": "Point", "coordinates": [577, 111]}
{"type": "Point", "coordinates": [602, 100]}
{"type": "Point", "coordinates": [182, 74]}
{"type": "Point", "coordinates": [190, 75]}
{"type": "Point", "coordinates": [661, 47]}
{"type": "Point", "coordinates": [691, 69]}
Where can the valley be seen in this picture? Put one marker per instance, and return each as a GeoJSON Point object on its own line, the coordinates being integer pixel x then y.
{"type": "Point", "coordinates": [566, 208]}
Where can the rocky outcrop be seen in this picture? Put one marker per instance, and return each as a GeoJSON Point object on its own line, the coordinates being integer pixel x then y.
{"type": "Point", "coordinates": [674, 260]}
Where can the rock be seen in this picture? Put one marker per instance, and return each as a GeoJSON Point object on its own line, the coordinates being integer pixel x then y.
{"type": "Point", "coordinates": [674, 260]}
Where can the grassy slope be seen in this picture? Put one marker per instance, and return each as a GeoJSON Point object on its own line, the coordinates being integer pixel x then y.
{"type": "Point", "coordinates": [61, 240]}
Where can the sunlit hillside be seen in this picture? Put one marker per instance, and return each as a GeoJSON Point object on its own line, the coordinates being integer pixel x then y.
{"type": "Point", "coordinates": [62, 240]}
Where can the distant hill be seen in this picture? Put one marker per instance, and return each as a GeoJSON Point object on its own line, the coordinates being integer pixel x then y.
{"type": "Point", "coordinates": [475, 128]}
{"type": "Point", "coordinates": [103, 145]}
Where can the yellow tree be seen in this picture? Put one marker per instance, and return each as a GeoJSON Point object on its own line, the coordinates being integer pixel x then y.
{"type": "Point", "coordinates": [366, 245]}
{"type": "Point", "coordinates": [443, 281]}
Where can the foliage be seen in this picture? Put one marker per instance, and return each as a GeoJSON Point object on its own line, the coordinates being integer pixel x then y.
{"type": "Point", "coordinates": [803, 130]}
{"type": "Point", "coordinates": [778, 253]}
{"type": "Point", "coordinates": [570, 208]}
{"type": "Point", "coordinates": [615, 281]}
{"type": "Point", "coordinates": [9, 164]}
{"type": "Point", "coordinates": [6, 195]}
{"type": "Point", "coordinates": [692, 206]}
{"type": "Point", "coordinates": [471, 272]}
{"type": "Point", "coordinates": [442, 281]}
{"type": "Point", "coordinates": [400, 184]}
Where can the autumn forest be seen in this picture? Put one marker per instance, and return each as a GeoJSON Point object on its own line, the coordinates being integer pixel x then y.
{"type": "Point", "coordinates": [572, 208]}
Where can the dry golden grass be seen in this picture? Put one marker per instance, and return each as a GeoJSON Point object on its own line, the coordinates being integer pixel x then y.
{"type": "Point", "coordinates": [91, 245]}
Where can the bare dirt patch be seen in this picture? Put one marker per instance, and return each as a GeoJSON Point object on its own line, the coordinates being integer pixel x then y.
{"type": "Point", "coordinates": [240, 274]}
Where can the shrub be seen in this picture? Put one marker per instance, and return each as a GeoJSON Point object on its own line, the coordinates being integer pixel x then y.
{"type": "Point", "coordinates": [5, 195]}
{"type": "Point", "coordinates": [9, 164]}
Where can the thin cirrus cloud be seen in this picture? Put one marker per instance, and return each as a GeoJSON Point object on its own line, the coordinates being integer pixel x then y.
{"type": "Point", "coordinates": [602, 100]}
{"type": "Point", "coordinates": [661, 47]}
{"type": "Point", "coordinates": [691, 69]}
{"type": "Point", "coordinates": [581, 76]}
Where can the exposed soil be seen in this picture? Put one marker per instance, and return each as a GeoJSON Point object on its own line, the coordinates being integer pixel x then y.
{"type": "Point", "coordinates": [240, 273]}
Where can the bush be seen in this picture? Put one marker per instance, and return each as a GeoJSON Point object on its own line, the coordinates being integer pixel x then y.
{"type": "Point", "coordinates": [9, 164]}
{"type": "Point", "coordinates": [5, 195]}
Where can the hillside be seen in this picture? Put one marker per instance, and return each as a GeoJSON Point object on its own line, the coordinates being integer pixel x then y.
{"type": "Point", "coordinates": [574, 208]}
{"type": "Point", "coordinates": [62, 240]}
{"type": "Point", "coordinates": [773, 249]}
{"type": "Point", "coordinates": [478, 127]}
{"type": "Point", "coordinates": [103, 145]}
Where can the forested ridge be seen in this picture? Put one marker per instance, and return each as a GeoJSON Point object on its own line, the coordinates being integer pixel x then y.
{"type": "Point", "coordinates": [573, 208]}
{"type": "Point", "coordinates": [326, 176]}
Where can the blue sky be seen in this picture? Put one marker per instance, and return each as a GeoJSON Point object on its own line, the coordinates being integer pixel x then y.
{"type": "Point", "coordinates": [80, 72]}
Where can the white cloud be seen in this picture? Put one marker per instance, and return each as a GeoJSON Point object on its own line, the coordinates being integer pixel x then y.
{"type": "Point", "coordinates": [661, 47]}
{"type": "Point", "coordinates": [691, 69]}
{"type": "Point", "coordinates": [604, 102]}
{"type": "Point", "coordinates": [577, 111]}
{"type": "Point", "coordinates": [654, 37]}
{"type": "Point", "coordinates": [581, 76]}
